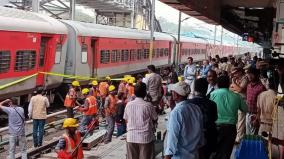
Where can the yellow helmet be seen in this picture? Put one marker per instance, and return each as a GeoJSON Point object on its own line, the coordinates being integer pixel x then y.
{"type": "Point", "coordinates": [70, 123]}
{"type": "Point", "coordinates": [179, 78]}
{"type": "Point", "coordinates": [85, 91]}
{"type": "Point", "coordinates": [131, 81]}
{"type": "Point", "coordinates": [111, 88]}
{"type": "Point", "coordinates": [95, 83]}
{"type": "Point", "coordinates": [108, 78]}
{"type": "Point", "coordinates": [76, 84]}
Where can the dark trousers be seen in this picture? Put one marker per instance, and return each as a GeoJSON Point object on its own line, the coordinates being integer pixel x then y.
{"type": "Point", "coordinates": [70, 112]}
{"type": "Point", "coordinates": [225, 141]}
{"type": "Point", "coordinates": [38, 131]}
{"type": "Point", "coordinates": [121, 129]}
{"type": "Point", "coordinates": [140, 151]}
{"type": "Point", "coordinates": [110, 128]}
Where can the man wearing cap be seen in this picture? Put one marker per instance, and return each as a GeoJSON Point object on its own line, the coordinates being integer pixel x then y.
{"type": "Point", "coordinates": [71, 98]}
{"type": "Point", "coordinates": [185, 127]}
{"type": "Point", "coordinates": [239, 85]}
{"type": "Point", "coordinates": [94, 90]}
{"type": "Point", "coordinates": [190, 73]}
{"type": "Point", "coordinates": [69, 141]}
{"type": "Point", "coordinates": [110, 110]}
{"type": "Point", "coordinates": [89, 109]}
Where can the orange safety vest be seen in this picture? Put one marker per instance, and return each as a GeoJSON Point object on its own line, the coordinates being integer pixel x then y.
{"type": "Point", "coordinates": [69, 102]}
{"type": "Point", "coordinates": [111, 110]}
{"type": "Point", "coordinates": [70, 145]}
{"type": "Point", "coordinates": [130, 90]}
{"type": "Point", "coordinates": [92, 106]}
{"type": "Point", "coordinates": [103, 88]}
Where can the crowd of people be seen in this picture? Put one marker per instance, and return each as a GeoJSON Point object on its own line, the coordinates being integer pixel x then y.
{"type": "Point", "coordinates": [213, 106]}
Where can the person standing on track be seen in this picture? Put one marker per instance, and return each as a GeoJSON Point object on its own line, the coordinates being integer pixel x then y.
{"type": "Point", "coordinates": [154, 85]}
{"type": "Point", "coordinates": [38, 112]}
{"type": "Point", "coordinates": [140, 117]}
{"type": "Point", "coordinates": [103, 88]}
{"type": "Point", "coordinates": [89, 109]}
{"type": "Point", "coordinates": [94, 91]}
{"type": "Point", "coordinates": [71, 98]}
{"type": "Point", "coordinates": [110, 110]}
{"type": "Point", "coordinates": [130, 90]}
{"type": "Point", "coordinates": [190, 74]}
{"type": "Point", "coordinates": [70, 139]}
{"type": "Point", "coordinates": [16, 123]}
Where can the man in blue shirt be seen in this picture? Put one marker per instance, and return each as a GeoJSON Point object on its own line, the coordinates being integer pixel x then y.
{"type": "Point", "coordinates": [185, 127]}
{"type": "Point", "coordinates": [190, 73]}
{"type": "Point", "coordinates": [205, 68]}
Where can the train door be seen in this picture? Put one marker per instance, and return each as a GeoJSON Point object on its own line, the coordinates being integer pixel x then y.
{"type": "Point", "coordinates": [44, 53]}
{"type": "Point", "coordinates": [94, 57]}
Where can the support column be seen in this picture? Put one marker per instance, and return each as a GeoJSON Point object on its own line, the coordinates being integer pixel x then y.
{"type": "Point", "coordinates": [133, 14]}
{"type": "Point", "coordinates": [35, 5]}
{"type": "Point", "coordinates": [152, 31]}
{"type": "Point", "coordinates": [72, 9]}
{"type": "Point", "coordinates": [222, 41]}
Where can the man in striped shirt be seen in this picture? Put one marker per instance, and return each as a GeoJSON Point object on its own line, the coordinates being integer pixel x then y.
{"type": "Point", "coordinates": [140, 117]}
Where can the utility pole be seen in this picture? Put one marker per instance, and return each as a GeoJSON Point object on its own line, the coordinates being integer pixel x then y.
{"type": "Point", "coordinates": [222, 41]}
{"type": "Point", "coordinates": [72, 9]}
{"type": "Point", "coordinates": [35, 5]}
{"type": "Point", "coordinates": [178, 40]}
{"type": "Point", "coordinates": [215, 32]}
{"type": "Point", "coordinates": [152, 30]}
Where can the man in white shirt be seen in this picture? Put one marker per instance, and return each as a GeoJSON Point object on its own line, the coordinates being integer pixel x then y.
{"type": "Point", "coordinates": [190, 74]}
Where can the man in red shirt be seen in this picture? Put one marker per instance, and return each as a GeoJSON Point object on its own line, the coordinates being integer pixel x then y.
{"type": "Point", "coordinates": [254, 88]}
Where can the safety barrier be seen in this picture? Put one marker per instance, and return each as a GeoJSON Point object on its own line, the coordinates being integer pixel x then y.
{"type": "Point", "coordinates": [53, 74]}
{"type": "Point", "coordinates": [252, 146]}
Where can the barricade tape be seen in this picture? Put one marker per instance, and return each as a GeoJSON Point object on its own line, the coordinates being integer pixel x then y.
{"type": "Point", "coordinates": [53, 74]}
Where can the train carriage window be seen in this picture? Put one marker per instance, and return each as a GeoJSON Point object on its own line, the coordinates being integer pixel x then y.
{"type": "Point", "coordinates": [118, 56]}
{"type": "Point", "coordinates": [105, 56]}
{"type": "Point", "coordinates": [157, 53]}
{"type": "Point", "coordinates": [5, 58]}
{"type": "Point", "coordinates": [25, 60]}
{"type": "Point", "coordinates": [166, 52]}
{"type": "Point", "coordinates": [58, 53]}
{"type": "Point", "coordinates": [189, 53]}
{"type": "Point", "coordinates": [124, 55]}
{"type": "Point", "coordinates": [197, 51]}
{"type": "Point", "coordinates": [203, 51]}
{"type": "Point", "coordinates": [161, 52]}
{"type": "Point", "coordinates": [84, 54]}
{"type": "Point", "coordinates": [113, 56]}
{"type": "Point", "coordinates": [133, 55]}
{"type": "Point", "coordinates": [153, 53]}
{"type": "Point", "coordinates": [139, 57]}
{"type": "Point", "coordinates": [146, 53]}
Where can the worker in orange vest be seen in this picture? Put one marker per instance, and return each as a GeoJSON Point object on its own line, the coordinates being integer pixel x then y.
{"type": "Point", "coordinates": [94, 90]}
{"type": "Point", "coordinates": [130, 90]}
{"type": "Point", "coordinates": [110, 110]}
{"type": "Point", "coordinates": [71, 98]}
{"type": "Point", "coordinates": [67, 144]}
{"type": "Point", "coordinates": [89, 109]}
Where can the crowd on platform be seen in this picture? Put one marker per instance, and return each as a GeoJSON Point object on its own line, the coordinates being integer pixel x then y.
{"type": "Point", "coordinates": [213, 105]}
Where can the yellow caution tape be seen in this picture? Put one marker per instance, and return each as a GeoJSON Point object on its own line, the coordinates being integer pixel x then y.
{"type": "Point", "coordinates": [17, 81]}
{"type": "Point", "coordinates": [53, 74]}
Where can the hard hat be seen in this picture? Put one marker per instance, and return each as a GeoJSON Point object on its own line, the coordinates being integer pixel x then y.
{"type": "Point", "coordinates": [130, 81]}
{"type": "Point", "coordinates": [85, 91]}
{"type": "Point", "coordinates": [146, 75]}
{"type": "Point", "coordinates": [75, 83]}
{"type": "Point", "coordinates": [111, 88]}
{"type": "Point", "coordinates": [108, 78]}
{"type": "Point", "coordinates": [95, 83]}
{"type": "Point", "coordinates": [70, 123]}
{"type": "Point", "coordinates": [179, 78]}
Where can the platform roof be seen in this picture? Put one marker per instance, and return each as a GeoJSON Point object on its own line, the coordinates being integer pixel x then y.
{"type": "Point", "coordinates": [240, 16]}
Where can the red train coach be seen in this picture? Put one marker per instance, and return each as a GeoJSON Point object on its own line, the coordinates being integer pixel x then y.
{"type": "Point", "coordinates": [30, 43]}
{"type": "Point", "coordinates": [99, 50]}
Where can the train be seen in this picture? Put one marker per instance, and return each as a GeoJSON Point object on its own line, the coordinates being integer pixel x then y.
{"type": "Point", "coordinates": [43, 49]}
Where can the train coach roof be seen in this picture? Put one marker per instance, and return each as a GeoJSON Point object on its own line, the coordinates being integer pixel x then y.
{"type": "Point", "coordinates": [25, 21]}
{"type": "Point", "coordinates": [98, 30]}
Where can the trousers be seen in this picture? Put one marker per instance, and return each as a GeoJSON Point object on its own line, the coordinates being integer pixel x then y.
{"type": "Point", "coordinates": [12, 146]}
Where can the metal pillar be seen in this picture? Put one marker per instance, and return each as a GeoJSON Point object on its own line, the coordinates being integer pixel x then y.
{"type": "Point", "coordinates": [35, 5]}
{"type": "Point", "coordinates": [72, 9]}
{"type": "Point", "coordinates": [215, 32]}
{"type": "Point", "coordinates": [178, 40]}
{"type": "Point", "coordinates": [152, 30]}
{"type": "Point", "coordinates": [133, 14]}
{"type": "Point", "coordinates": [222, 41]}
